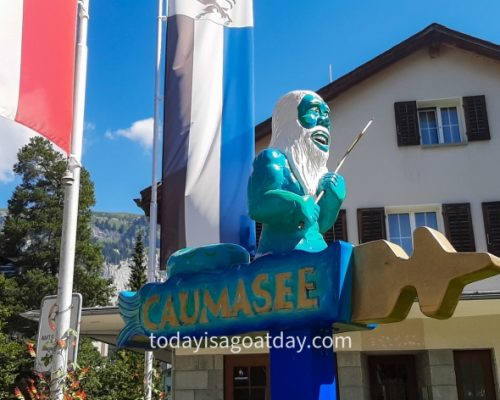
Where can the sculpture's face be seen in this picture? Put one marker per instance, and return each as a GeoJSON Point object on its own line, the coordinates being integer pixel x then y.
{"type": "Point", "coordinates": [301, 131]}
{"type": "Point", "coordinates": [314, 115]}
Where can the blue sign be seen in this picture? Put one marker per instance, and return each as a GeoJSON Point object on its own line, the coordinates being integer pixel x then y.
{"type": "Point", "coordinates": [270, 293]}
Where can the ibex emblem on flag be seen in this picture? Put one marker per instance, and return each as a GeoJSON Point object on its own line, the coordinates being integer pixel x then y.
{"type": "Point", "coordinates": [214, 7]}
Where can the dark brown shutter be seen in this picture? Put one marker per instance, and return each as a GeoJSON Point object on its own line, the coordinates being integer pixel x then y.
{"type": "Point", "coordinates": [458, 226]}
{"type": "Point", "coordinates": [258, 230]}
{"type": "Point", "coordinates": [371, 224]}
{"type": "Point", "coordinates": [476, 118]}
{"type": "Point", "coordinates": [339, 229]}
{"type": "Point", "coordinates": [491, 215]}
{"type": "Point", "coordinates": [407, 123]}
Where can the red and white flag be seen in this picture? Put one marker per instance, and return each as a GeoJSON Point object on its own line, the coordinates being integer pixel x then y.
{"type": "Point", "coordinates": [37, 67]}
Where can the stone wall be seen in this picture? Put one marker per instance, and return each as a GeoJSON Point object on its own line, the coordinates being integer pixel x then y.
{"type": "Point", "coordinates": [352, 374]}
{"type": "Point", "coordinates": [438, 375]}
{"type": "Point", "coordinates": [199, 377]}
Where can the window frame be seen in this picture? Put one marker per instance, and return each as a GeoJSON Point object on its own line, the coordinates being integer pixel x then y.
{"type": "Point", "coordinates": [412, 210]}
{"type": "Point", "coordinates": [437, 105]}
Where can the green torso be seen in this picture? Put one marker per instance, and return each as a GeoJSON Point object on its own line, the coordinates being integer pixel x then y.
{"type": "Point", "coordinates": [277, 200]}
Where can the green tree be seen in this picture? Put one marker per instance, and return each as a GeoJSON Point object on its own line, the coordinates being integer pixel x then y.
{"type": "Point", "coordinates": [138, 267]}
{"type": "Point", "coordinates": [31, 235]}
{"type": "Point", "coordinates": [13, 355]}
{"type": "Point", "coordinates": [13, 360]}
{"type": "Point", "coordinates": [31, 238]}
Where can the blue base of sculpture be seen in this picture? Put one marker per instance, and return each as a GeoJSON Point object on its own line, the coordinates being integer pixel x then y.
{"type": "Point", "coordinates": [306, 375]}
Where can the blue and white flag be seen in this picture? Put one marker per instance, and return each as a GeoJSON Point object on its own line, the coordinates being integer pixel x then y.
{"type": "Point", "coordinates": [208, 145]}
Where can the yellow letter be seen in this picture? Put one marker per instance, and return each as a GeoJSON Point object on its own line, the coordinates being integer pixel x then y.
{"type": "Point", "coordinates": [304, 301]}
{"type": "Point", "coordinates": [221, 308]}
{"type": "Point", "coordinates": [185, 319]}
{"type": "Point", "coordinates": [280, 302]}
{"type": "Point", "coordinates": [169, 314]}
{"type": "Point", "coordinates": [262, 293]}
{"type": "Point", "coordinates": [241, 301]}
{"type": "Point", "coordinates": [145, 313]}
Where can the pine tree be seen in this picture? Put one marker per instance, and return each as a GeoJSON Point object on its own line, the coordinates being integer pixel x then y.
{"type": "Point", "coordinates": [31, 236]}
{"type": "Point", "coordinates": [138, 266]}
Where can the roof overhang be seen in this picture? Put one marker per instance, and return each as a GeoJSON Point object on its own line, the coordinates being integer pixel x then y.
{"type": "Point", "coordinates": [104, 323]}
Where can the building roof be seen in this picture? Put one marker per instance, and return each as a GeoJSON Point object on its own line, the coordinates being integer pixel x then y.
{"type": "Point", "coordinates": [433, 36]}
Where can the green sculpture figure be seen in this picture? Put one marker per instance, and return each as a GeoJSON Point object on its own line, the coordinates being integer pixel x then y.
{"type": "Point", "coordinates": [289, 176]}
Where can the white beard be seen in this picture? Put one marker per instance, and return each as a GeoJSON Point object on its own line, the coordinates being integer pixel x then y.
{"type": "Point", "coordinates": [308, 162]}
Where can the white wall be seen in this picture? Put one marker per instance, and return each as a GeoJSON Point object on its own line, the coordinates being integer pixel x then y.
{"type": "Point", "coordinates": [379, 173]}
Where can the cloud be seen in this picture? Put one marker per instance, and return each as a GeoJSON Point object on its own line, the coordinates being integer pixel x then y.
{"type": "Point", "coordinates": [89, 137]}
{"type": "Point", "coordinates": [88, 126]}
{"type": "Point", "coordinates": [140, 131]}
{"type": "Point", "coordinates": [13, 136]}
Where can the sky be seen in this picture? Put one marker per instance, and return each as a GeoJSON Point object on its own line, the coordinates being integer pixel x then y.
{"type": "Point", "coordinates": [295, 42]}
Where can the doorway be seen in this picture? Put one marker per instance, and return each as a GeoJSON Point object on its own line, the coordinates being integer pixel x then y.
{"type": "Point", "coordinates": [393, 377]}
{"type": "Point", "coordinates": [474, 373]}
{"type": "Point", "coordinates": [246, 377]}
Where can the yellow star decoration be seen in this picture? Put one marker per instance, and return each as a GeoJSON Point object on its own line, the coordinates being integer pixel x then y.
{"type": "Point", "coordinates": [386, 281]}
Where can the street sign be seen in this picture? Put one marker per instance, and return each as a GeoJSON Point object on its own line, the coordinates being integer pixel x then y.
{"type": "Point", "coordinates": [47, 331]}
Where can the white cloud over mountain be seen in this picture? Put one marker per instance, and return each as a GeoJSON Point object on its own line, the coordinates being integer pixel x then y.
{"type": "Point", "coordinates": [140, 131]}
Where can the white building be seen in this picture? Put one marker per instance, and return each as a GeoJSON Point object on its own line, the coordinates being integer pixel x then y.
{"type": "Point", "coordinates": [431, 157]}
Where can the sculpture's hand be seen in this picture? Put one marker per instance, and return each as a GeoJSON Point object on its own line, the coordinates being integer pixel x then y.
{"type": "Point", "coordinates": [308, 213]}
{"type": "Point", "coordinates": [333, 185]}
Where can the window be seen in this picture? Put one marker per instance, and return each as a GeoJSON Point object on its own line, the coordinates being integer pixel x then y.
{"type": "Point", "coordinates": [439, 125]}
{"type": "Point", "coordinates": [402, 221]}
{"type": "Point", "coordinates": [440, 122]}
{"type": "Point", "coordinates": [454, 220]}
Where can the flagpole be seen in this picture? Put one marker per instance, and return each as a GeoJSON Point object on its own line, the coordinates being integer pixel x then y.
{"type": "Point", "coordinates": [70, 215]}
{"type": "Point", "coordinates": [153, 206]}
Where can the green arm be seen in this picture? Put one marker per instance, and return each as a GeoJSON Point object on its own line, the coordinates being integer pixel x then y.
{"type": "Point", "coordinates": [269, 204]}
{"type": "Point", "coordinates": [334, 194]}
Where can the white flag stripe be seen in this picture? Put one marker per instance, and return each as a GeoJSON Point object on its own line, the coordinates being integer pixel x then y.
{"type": "Point", "coordinates": [11, 32]}
{"type": "Point", "coordinates": [203, 168]}
{"type": "Point", "coordinates": [233, 14]}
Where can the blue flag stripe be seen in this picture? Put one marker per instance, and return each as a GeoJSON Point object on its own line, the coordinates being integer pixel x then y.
{"type": "Point", "coordinates": [237, 144]}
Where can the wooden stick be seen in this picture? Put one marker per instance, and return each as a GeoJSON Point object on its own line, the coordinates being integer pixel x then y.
{"type": "Point", "coordinates": [353, 144]}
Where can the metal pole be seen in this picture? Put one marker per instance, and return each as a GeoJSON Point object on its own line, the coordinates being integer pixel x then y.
{"type": "Point", "coordinates": [70, 216]}
{"type": "Point", "coordinates": [153, 206]}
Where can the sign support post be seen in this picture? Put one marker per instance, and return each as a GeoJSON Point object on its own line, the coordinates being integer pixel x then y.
{"type": "Point", "coordinates": [307, 375]}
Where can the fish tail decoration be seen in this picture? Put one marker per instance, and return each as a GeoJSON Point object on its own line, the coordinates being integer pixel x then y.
{"type": "Point", "coordinates": [129, 305]}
